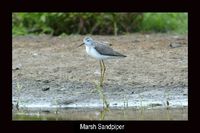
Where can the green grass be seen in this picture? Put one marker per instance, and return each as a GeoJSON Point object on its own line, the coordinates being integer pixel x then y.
{"type": "Point", "coordinates": [165, 22]}
{"type": "Point", "coordinates": [19, 88]}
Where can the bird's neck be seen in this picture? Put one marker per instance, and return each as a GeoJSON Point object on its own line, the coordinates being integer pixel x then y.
{"type": "Point", "coordinates": [87, 48]}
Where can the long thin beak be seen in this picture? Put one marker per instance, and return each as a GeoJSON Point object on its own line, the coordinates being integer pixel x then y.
{"type": "Point", "coordinates": [81, 44]}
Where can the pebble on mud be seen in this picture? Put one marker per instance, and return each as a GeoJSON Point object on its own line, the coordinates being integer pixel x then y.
{"type": "Point", "coordinates": [46, 81]}
{"type": "Point", "coordinates": [34, 54]}
{"type": "Point", "coordinates": [45, 89]}
{"type": "Point", "coordinates": [175, 45]}
{"type": "Point", "coordinates": [17, 67]}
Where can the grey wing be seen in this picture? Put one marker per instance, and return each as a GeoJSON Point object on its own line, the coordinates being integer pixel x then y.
{"type": "Point", "coordinates": [106, 50]}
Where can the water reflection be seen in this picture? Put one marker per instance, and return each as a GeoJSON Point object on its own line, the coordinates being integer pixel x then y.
{"type": "Point", "coordinates": [99, 114]}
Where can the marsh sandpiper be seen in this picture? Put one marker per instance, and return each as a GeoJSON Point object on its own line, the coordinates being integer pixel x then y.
{"type": "Point", "coordinates": [100, 51]}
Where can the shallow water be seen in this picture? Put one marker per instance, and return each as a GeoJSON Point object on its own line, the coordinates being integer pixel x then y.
{"type": "Point", "coordinates": [100, 114]}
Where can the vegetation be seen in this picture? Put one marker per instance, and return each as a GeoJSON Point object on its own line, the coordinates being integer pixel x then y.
{"type": "Point", "coordinates": [97, 23]}
{"type": "Point", "coordinates": [165, 22]}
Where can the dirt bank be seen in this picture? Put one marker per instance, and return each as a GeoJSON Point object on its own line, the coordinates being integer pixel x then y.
{"type": "Point", "coordinates": [52, 71]}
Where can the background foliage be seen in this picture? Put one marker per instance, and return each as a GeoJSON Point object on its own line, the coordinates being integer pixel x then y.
{"type": "Point", "coordinates": [97, 23]}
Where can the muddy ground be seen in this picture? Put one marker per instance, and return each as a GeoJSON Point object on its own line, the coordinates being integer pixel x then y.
{"type": "Point", "coordinates": [52, 72]}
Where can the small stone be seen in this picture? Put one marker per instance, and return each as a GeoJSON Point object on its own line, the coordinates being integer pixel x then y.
{"type": "Point", "coordinates": [46, 111]}
{"type": "Point", "coordinates": [45, 89]}
{"type": "Point", "coordinates": [155, 104]}
{"type": "Point", "coordinates": [46, 81]}
{"type": "Point", "coordinates": [147, 36]}
{"type": "Point", "coordinates": [135, 41]}
{"type": "Point", "coordinates": [132, 92]}
{"type": "Point", "coordinates": [97, 73]}
{"type": "Point", "coordinates": [175, 45]}
{"type": "Point", "coordinates": [69, 71]}
{"type": "Point", "coordinates": [62, 89]}
{"type": "Point", "coordinates": [175, 37]}
{"type": "Point", "coordinates": [17, 67]}
{"type": "Point", "coordinates": [35, 54]}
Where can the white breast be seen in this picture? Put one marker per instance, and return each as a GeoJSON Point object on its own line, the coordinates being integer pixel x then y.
{"type": "Point", "coordinates": [93, 53]}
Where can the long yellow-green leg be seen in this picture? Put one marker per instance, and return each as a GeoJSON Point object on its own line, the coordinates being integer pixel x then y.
{"type": "Point", "coordinates": [101, 80]}
{"type": "Point", "coordinates": [104, 70]}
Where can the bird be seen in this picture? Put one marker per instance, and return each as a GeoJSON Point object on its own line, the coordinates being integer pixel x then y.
{"type": "Point", "coordinates": [100, 51]}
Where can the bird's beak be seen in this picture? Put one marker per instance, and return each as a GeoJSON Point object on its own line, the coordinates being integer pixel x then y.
{"type": "Point", "coordinates": [81, 45]}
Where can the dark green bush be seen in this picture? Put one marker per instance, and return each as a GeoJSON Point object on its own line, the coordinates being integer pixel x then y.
{"type": "Point", "coordinates": [76, 23]}
{"type": "Point", "coordinates": [97, 23]}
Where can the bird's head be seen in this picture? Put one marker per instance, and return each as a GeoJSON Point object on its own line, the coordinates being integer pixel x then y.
{"type": "Point", "coordinates": [87, 41]}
